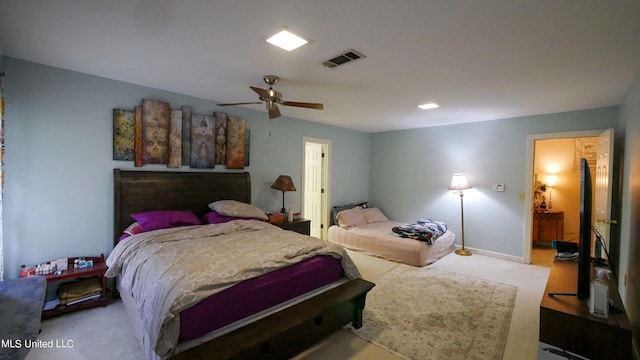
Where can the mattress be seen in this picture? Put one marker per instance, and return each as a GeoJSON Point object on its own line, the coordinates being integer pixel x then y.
{"type": "Point", "coordinates": [377, 239]}
{"type": "Point", "coordinates": [248, 300]}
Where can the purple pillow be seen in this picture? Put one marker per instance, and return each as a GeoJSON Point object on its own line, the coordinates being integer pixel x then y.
{"type": "Point", "coordinates": [214, 217]}
{"type": "Point", "coordinates": [163, 219]}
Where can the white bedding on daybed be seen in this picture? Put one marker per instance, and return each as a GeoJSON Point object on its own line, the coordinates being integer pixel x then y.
{"type": "Point", "coordinates": [377, 239]}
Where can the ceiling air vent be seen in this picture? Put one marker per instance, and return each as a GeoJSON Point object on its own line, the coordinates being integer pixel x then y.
{"type": "Point", "coordinates": [346, 57]}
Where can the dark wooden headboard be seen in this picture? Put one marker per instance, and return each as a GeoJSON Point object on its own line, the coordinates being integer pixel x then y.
{"type": "Point", "coordinates": [137, 191]}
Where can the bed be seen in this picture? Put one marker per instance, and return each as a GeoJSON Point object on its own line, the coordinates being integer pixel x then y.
{"type": "Point", "coordinates": [252, 327]}
{"type": "Point", "coordinates": [369, 231]}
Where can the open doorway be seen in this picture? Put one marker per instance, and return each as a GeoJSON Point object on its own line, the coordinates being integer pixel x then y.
{"type": "Point", "coordinates": [556, 198]}
{"type": "Point", "coordinates": [315, 193]}
{"type": "Point", "coordinates": [551, 161]}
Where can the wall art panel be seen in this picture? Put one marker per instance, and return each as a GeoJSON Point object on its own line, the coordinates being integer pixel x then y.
{"type": "Point", "coordinates": [202, 141]}
{"type": "Point", "coordinates": [221, 137]}
{"type": "Point", "coordinates": [155, 131]}
{"type": "Point", "coordinates": [235, 143]}
{"type": "Point", "coordinates": [186, 134]}
{"type": "Point", "coordinates": [175, 139]}
{"type": "Point", "coordinates": [124, 129]}
{"type": "Point", "coordinates": [138, 137]}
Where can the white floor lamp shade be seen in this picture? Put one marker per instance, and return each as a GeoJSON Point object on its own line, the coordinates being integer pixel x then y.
{"type": "Point", "coordinates": [459, 183]}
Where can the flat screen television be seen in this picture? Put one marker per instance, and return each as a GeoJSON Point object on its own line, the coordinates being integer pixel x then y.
{"type": "Point", "coordinates": [584, 248]}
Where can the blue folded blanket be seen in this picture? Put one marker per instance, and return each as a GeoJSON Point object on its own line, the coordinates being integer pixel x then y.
{"type": "Point", "coordinates": [426, 230]}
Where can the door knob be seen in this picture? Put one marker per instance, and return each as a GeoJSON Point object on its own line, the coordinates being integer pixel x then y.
{"type": "Point", "coordinates": [607, 221]}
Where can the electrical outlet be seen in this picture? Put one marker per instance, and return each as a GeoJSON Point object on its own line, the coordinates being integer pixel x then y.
{"type": "Point", "coordinates": [498, 187]}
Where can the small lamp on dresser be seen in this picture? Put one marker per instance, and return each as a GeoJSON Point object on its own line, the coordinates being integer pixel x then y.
{"type": "Point", "coordinates": [551, 182]}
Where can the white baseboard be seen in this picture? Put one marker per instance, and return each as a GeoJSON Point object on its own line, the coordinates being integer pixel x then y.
{"type": "Point", "coordinates": [493, 254]}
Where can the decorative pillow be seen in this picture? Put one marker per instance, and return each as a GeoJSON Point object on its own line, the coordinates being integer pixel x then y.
{"type": "Point", "coordinates": [351, 217]}
{"type": "Point", "coordinates": [163, 219]}
{"type": "Point", "coordinates": [336, 209]}
{"type": "Point", "coordinates": [213, 217]}
{"type": "Point", "coordinates": [133, 229]}
{"type": "Point", "coordinates": [130, 230]}
{"type": "Point", "coordinates": [238, 209]}
{"type": "Point", "coordinates": [373, 215]}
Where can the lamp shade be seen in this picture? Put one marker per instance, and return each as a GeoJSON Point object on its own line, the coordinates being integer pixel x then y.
{"type": "Point", "coordinates": [459, 182]}
{"type": "Point", "coordinates": [283, 183]}
{"type": "Point", "coordinates": [551, 180]}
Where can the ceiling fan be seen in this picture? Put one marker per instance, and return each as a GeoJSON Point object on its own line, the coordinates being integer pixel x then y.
{"type": "Point", "coordinates": [272, 98]}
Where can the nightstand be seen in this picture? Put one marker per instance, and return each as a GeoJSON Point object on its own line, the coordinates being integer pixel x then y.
{"type": "Point", "coordinates": [301, 226]}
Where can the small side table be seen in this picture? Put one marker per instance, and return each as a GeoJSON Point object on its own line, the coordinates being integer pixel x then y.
{"type": "Point", "coordinates": [301, 226]}
{"type": "Point", "coordinates": [99, 268]}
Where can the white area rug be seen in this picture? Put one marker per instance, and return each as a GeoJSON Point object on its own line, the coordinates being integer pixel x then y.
{"type": "Point", "coordinates": [428, 313]}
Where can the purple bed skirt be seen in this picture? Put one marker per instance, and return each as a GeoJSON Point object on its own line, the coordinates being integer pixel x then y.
{"type": "Point", "coordinates": [257, 294]}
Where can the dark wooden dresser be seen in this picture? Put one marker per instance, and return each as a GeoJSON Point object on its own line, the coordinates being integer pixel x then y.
{"type": "Point", "coordinates": [565, 321]}
{"type": "Point", "coordinates": [547, 226]}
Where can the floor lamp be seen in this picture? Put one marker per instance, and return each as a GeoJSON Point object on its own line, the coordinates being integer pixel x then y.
{"type": "Point", "coordinates": [459, 182]}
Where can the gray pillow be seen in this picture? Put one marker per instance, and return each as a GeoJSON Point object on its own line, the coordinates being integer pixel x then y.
{"type": "Point", "coordinates": [237, 209]}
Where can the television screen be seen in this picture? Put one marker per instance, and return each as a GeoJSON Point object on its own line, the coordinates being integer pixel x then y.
{"type": "Point", "coordinates": [584, 249]}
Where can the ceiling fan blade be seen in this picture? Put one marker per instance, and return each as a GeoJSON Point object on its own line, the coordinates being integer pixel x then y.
{"type": "Point", "coordinates": [264, 93]}
{"type": "Point", "coordinates": [316, 106]}
{"type": "Point", "coordinates": [274, 112]}
{"type": "Point", "coordinates": [241, 103]}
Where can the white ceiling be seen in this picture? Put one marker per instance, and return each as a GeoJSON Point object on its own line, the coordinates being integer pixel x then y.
{"type": "Point", "coordinates": [480, 60]}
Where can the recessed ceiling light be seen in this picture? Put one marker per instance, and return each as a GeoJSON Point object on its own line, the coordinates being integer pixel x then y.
{"type": "Point", "coordinates": [428, 106]}
{"type": "Point", "coordinates": [286, 40]}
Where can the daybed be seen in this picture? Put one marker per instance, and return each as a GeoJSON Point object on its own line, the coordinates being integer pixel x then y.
{"type": "Point", "coordinates": [236, 287]}
{"type": "Point", "coordinates": [369, 231]}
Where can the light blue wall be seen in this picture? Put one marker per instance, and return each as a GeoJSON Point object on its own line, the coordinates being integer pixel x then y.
{"type": "Point", "coordinates": [58, 192]}
{"type": "Point", "coordinates": [58, 195]}
{"type": "Point", "coordinates": [411, 170]}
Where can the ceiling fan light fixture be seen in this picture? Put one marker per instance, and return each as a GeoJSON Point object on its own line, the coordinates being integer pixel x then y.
{"type": "Point", "coordinates": [428, 106]}
{"type": "Point", "coordinates": [286, 40]}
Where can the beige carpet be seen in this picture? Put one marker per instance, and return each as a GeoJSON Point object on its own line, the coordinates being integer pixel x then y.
{"type": "Point", "coordinates": [429, 313]}
{"type": "Point", "coordinates": [106, 333]}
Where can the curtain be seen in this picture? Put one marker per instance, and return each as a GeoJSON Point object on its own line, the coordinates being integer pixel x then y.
{"type": "Point", "coordinates": [1, 171]}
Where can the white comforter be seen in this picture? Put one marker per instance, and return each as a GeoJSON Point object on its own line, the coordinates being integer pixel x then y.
{"type": "Point", "coordinates": [169, 270]}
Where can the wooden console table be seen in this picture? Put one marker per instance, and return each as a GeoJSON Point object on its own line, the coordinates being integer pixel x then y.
{"type": "Point", "coordinates": [565, 321]}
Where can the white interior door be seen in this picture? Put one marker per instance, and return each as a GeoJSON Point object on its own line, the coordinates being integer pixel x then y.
{"type": "Point", "coordinates": [603, 182]}
{"type": "Point", "coordinates": [315, 186]}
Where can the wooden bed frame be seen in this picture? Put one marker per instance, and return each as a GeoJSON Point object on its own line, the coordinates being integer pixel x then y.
{"type": "Point", "coordinates": [277, 336]}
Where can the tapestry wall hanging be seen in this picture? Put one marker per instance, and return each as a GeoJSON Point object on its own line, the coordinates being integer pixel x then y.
{"type": "Point", "coordinates": [154, 133]}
